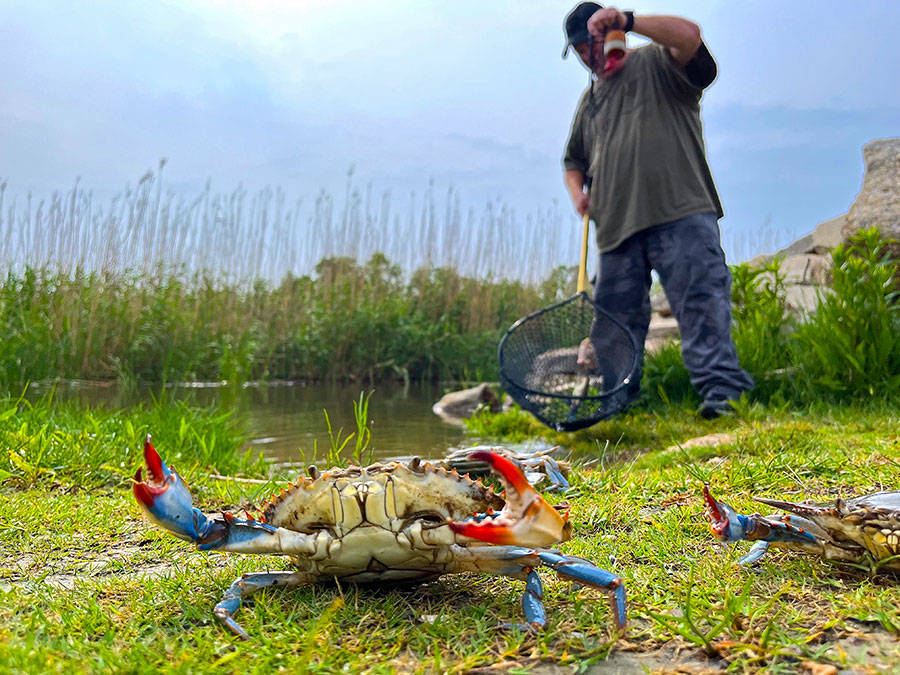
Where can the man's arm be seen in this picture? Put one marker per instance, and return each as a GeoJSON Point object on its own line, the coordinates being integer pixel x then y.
{"type": "Point", "coordinates": [575, 186]}
{"type": "Point", "coordinates": [681, 36]}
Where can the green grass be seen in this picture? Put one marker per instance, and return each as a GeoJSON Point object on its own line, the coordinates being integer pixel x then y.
{"type": "Point", "coordinates": [87, 585]}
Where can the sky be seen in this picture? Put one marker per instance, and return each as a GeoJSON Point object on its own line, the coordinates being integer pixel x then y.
{"type": "Point", "coordinates": [466, 94]}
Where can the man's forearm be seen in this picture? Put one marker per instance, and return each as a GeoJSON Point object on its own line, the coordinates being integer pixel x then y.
{"type": "Point", "coordinates": [681, 36]}
{"type": "Point", "coordinates": [574, 183]}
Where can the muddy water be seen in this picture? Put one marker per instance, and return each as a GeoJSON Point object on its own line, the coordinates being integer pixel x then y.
{"type": "Point", "coordinates": [285, 421]}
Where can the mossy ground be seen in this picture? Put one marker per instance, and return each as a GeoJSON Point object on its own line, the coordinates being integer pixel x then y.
{"type": "Point", "coordinates": [87, 586]}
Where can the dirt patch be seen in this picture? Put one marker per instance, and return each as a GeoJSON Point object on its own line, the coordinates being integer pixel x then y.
{"type": "Point", "coordinates": [117, 560]}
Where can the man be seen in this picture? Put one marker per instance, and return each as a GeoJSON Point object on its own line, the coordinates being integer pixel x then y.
{"type": "Point", "coordinates": [637, 141]}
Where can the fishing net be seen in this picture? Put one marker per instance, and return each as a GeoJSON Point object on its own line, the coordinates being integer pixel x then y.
{"type": "Point", "coordinates": [571, 365]}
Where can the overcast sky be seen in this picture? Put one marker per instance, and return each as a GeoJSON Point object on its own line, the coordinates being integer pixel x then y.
{"type": "Point", "coordinates": [470, 93]}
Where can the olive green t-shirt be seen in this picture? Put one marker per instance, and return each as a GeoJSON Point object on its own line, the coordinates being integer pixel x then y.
{"type": "Point", "coordinates": [641, 144]}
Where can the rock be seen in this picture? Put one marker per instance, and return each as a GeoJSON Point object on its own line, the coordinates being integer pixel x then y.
{"type": "Point", "coordinates": [760, 260]}
{"type": "Point", "coordinates": [878, 202]}
{"type": "Point", "coordinates": [662, 331]}
{"type": "Point", "coordinates": [463, 403]}
{"type": "Point", "coordinates": [801, 301]}
{"type": "Point", "coordinates": [659, 304]}
{"type": "Point", "coordinates": [804, 244]}
{"type": "Point", "coordinates": [662, 327]}
{"type": "Point", "coordinates": [827, 234]}
{"type": "Point", "coordinates": [807, 269]}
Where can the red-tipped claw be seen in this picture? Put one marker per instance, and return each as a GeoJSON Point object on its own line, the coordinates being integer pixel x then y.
{"type": "Point", "coordinates": [158, 477]}
{"type": "Point", "coordinates": [526, 519]}
{"type": "Point", "coordinates": [166, 500]}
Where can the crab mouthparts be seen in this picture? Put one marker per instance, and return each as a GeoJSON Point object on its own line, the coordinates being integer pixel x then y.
{"type": "Point", "coordinates": [715, 514]}
{"type": "Point", "coordinates": [526, 519]}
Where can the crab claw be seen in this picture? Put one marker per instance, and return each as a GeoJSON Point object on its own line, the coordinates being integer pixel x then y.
{"type": "Point", "coordinates": [526, 519]}
{"type": "Point", "coordinates": [166, 500]}
{"type": "Point", "coordinates": [726, 523]}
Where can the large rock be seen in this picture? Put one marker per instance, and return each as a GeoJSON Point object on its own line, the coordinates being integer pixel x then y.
{"type": "Point", "coordinates": [827, 234]}
{"type": "Point", "coordinates": [807, 269]}
{"type": "Point", "coordinates": [878, 203]}
{"type": "Point", "coordinates": [461, 404]}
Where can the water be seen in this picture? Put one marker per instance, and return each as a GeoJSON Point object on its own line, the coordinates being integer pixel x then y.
{"type": "Point", "coordinates": [286, 421]}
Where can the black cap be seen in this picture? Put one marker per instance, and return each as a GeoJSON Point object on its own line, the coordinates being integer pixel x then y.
{"type": "Point", "coordinates": [576, 24]}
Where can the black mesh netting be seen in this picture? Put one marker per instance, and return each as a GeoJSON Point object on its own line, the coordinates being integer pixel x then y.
{"type": "Point", "coordinates": [570, 365]}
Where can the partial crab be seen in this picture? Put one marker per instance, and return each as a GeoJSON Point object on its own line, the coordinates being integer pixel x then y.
{"type": "Point", "coordinates": [386, 523]}
{"type": "Point", "coordinates": [856, 530]}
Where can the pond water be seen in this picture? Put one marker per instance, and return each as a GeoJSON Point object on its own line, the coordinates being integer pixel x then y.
{"type": "Point", "coordinates": [285, 421]}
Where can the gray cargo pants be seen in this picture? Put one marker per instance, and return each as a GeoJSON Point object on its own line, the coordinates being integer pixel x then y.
{"type": "Point", "coordinates": [691, 265]}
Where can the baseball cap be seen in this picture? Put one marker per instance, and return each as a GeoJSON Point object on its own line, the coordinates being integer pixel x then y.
{"type": "Point", "coordinates": [576, 24]}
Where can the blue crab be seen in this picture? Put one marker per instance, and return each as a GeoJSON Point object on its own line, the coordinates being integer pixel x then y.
{"type": "Point", "coordinates": [386, 523]}
{"type": "Point", "coordinates": [853, 531]}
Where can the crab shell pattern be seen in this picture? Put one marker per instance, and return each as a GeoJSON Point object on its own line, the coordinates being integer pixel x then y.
{"type": "Point", "coordinates": [853, 531]}
{"type": "Point", "coordinates": [386, 523]}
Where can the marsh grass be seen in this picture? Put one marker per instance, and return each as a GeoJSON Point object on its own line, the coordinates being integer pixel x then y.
{"type": "Point", "coordinates": [86, 585]}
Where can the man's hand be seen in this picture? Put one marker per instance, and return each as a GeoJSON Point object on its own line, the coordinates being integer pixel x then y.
{"type": "Point", "coordinates": [608, 18]}
{"type": "Point", "coordinates": [582, 203]}
{"type": "Point", "coordinates": [575, 182]}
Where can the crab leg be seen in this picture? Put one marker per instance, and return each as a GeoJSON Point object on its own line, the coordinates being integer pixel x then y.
{"type": "Point", "coordinates": [522, 563]}
{"type": "Point", "coordinates": [246, 586]}
{"type": "Point", "coordinates": [531, 601]}
{"type": "Point", "coordinates": [585, 572]}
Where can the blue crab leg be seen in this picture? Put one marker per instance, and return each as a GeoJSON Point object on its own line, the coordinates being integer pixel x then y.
{"type": "Point", "coordinates": [755, 554]}
{"type": "Point", "coordinates": [522, 563]}
{"type": "Point", "coordinates": [585, 572]}
{"type": "Point", "coordinates": [531, 601]}
{"type": "Point", "coordinates": [246, 586]}
{"type": "Point", "coordinates": [557, 480]}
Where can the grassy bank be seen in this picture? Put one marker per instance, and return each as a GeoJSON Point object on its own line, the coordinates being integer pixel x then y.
{"type": "Point", "coordinates": [86, 585]}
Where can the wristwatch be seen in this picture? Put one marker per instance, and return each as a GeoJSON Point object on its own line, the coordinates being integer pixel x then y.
{"type": "Point", "coordinates": [629, 21]}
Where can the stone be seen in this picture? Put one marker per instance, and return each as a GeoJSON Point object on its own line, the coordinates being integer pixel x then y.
{"type": "Point", "coordinates": [662, 331]}
{"type": "Point", "coordinates": [827, 234]}
{"type": "Point", "coordinates": [659, 303]}
{"type": "Point", "coordinates": [808, 269]}
{"type": "Point", "coordinates": [801, 301]}
{"type": "Point", "coordinates": [803, 245]}
{"type": "Point", "coordinates": [878, 202]}
{"type": "Point", "coordinates": [463, 403]}
{"type": "Point", "coordinates": [662, 327]}
{"type": "Point", "coordinates": [760, 260]}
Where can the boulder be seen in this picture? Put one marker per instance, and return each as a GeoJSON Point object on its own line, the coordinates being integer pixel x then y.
{"type": "Point", "coordinates": [878, 202]}
{"type": "Point", "coordinates": [803, 245]}
{"type": "Point", "coordinates": [659, 303]}
{"type": "Point", "coordinates": [827, 234]}
{"type": "Point", "coordinates": [807, 269]}
{"type": "Point", "coordinates": [801, 301]}
{"type": "Point", "coordinates": [463, 403]}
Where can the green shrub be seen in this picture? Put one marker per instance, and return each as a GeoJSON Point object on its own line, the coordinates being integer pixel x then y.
{"type": "Point", "coordinates": [761, 324]}
{"type": "Point", "coordinates": [850, 348]}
